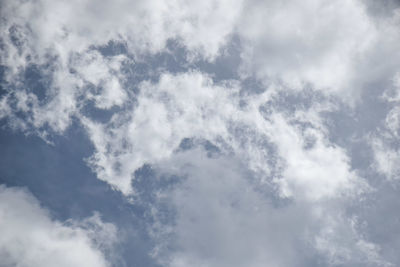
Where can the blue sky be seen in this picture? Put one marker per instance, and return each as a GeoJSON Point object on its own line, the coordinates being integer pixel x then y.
{"type": "Point", "coordinates": [206, 134]}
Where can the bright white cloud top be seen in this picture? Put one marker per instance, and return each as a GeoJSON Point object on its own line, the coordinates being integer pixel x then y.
{"type": "Point", "coordinates": [267, 158]}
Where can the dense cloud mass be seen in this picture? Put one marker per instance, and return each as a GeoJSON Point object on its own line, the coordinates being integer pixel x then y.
{"type": "Point", "coordinates": [29, 237]}
{"type": "Point", "coordinates": [218, 133]}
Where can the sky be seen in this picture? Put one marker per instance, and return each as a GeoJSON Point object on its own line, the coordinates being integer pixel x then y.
{"type": "Point", "coordinates": [208, 133]}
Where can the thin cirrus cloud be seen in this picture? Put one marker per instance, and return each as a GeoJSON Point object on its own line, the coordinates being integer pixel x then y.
{"type": "Point", "coordinates": [253, 169]}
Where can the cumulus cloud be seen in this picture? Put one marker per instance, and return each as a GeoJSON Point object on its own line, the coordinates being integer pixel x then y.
{"type": "Point", "coordinates": [306, 59]}
{"type": "Point", "coordinates": [328, 46]}
{"type": "Point", "coordinates": [387, 160]}
{"type": "Point", "coordinates": [220, 218]}
{"type": "Point", "coordinates": [385, 143]}
{"type": "Point", "coordinates": [285, 154]}
{"type": "Point", "coordinates": [183, 106]}
{"type": "Point", "coordinates": [319, 171]}
{"type": "Point", "coordinates": [37, 29]}
{"type": "Point", "coordinates": [190, 105]}
{"type": "Point", "coordinates": [333, 47]}
{"type": "Point", "coordinates": [59, 38]}
{"type": "Point", "coordinates": [30, 237]}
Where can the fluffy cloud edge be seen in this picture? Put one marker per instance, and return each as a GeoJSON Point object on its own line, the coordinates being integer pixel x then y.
{"type": "Point", "coordinates": [30, 237]}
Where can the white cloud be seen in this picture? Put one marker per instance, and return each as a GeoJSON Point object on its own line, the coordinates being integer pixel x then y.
{"type": "Point", "coordinates": [29, 237]}
{"type": "Point", "coordinates": [336, 47]}
{"type": "Point", "coordinates": [62, 27]}
{"type": "Point", "coordinates": [190, 105]}
{"type": "Point", "coordinates": [387, 157]}
{"type": "Point", "coordinates": [331, 46]}
{"type": "Point", "coordinates": [385, 143]}
{"type": "Point", "coordinates": [186, 105]}
{"type": "Point", "coordinates": [105, 75]}
{"type": "Point", "coordinates": [306, 41]}
{"type": "Point", "coordinates": [220, 217]}
{"type": "Point", "coordinates": [321, 170]}
{"type": "Point", "coordinates": [60, 35]}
